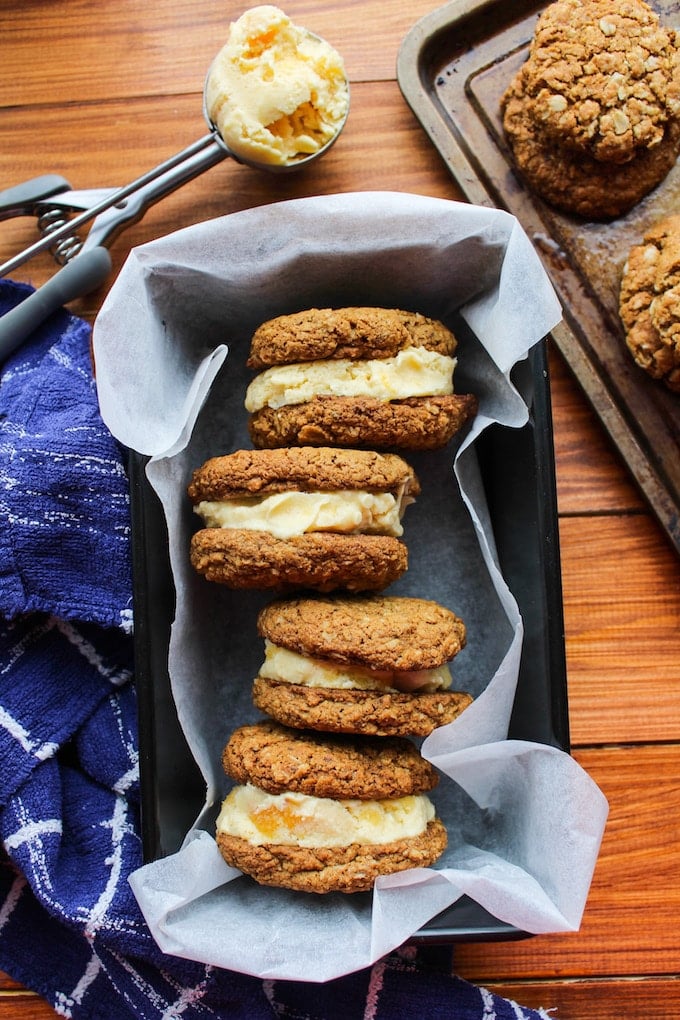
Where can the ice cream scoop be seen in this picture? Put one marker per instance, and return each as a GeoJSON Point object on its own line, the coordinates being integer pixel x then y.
{"type": "Point", "coordinates": [276, 97]}
{"type": "Point", "coordinates": [276, 93]}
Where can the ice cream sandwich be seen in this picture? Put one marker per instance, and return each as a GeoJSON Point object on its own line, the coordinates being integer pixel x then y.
{"type": "Point", "coordinates": [325, 813]}
{"type": "Point", "coordinates": [375, 378]}
{"type": "Point", "coordinates": [368, 664]}
{"type": "Point", "coordinates": [315, 518]}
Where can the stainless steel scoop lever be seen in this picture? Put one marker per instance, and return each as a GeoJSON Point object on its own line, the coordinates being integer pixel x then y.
{"type": "Point", "coordinates": [210, 150]}
{"type": "Point", "coordinates": [88, 267]}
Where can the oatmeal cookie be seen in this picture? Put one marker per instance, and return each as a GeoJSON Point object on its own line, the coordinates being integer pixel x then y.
{"type": "Point", "coordinates": [349, 869]}
{"type": "Point", "coordinates": [421, 423]}
{"type": "Point", "coordinates": [326, 814]}
{"type": "Point", "coordinates": [317, 334]}
{"type": "Point", "coordinates": [602, 78]}
{"type": "Point", "coordinates": [367, 664]}
{"type": "Point", "coordinates": [373, 713]}
{"type": "Point", "coordinates": [250, 473]}
{"type": "Point", "coordinates": [277, 759]}
{"type": "Point", "coordinates": [379, 632]}
{"type": "Point", "coordinates": [650, 302]}
{"type": "Point", "coordinates": [320, 561]}
{"type": "Point", "coordinates": [581, 184]}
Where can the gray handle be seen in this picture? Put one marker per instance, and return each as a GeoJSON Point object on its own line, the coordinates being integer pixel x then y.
{"type": "Point", "coordinates": [84, 273]}
{"type": "Point", "coordinates": [22, 198]}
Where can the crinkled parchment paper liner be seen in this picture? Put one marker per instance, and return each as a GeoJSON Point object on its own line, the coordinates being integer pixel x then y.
{"type": "Point", "coordinates": [524, 821]}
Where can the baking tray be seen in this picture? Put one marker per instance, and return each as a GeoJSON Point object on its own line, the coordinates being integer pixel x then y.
{"type": "Point", "coordinates": [517, 466]}
{"type": "Point", "coordinates": [453, 68]}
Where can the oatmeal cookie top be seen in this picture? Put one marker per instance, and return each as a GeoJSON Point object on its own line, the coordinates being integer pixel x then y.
{"type": "Point", "coordinates": [317, 334]}
{"type": "Point", "coordinates": [380, 632]}
{"type": "Point", "coordinates": [603, 77]}
{"type": "Point", "coordinates": [278, 759]}
{"type": "Point", "coordinates": [247, 473]}
{"type": "Point", "coordinates": [650, 302]}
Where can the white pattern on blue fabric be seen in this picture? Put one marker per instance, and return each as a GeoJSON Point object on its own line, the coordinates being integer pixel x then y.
{"type": "Point", "coordinates": [91, 654]}
{"type": "Point", "coordinates": [11, 900]}
{"type": "Point", "coordinates": [32, 831]}
{"type": "Point", "coordinates": [488, 1004]}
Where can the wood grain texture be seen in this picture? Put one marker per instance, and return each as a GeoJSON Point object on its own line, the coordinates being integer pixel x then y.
{"type": "Point", "coordinates": [109, 97]}
{"type": "Point", "coordinates": [395, 142]}
{"type": "Point", "coordinates": [633, 998]}
{"type": "Point", "coordinates": [591, 476]}
{"type": "Point", "coordinates": [629, 925]}
{"type": "Point", "coordinates": [621, 591]}
{"type": "Point", "coordinates": [129, 51]}
{"type": "Point", "coordinates": [24, 1005]}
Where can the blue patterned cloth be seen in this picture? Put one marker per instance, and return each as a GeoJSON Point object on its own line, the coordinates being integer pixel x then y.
{"type": "Point", "coordinates": [70, 928]}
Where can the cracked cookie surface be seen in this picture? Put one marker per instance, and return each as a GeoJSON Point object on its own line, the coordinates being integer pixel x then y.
{"type": "Point", "coordinates": [255, 472]}
{"type": "Point", "coordinates": [317, 334]}
{"type": "Point", "coordinates": [373, 713]}
{"type": "Point", "coordinates": [580, 184]}
{"type": "Point", "coordinates": [332, 869]}
{"type": "Point", "coordinates": [275, 758]}
{"type": "Point", "coordinates": [322, 561]}
{"type": "Point", "coordinates": [379, 631]}
{"type": "Point", "coordinates": [602, 78]}
{"type": "Point", "coordinates": [418, 423]}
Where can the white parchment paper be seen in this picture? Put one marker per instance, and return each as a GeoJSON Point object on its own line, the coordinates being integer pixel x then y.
{"type": "Point", "coordinates": [524, 821]}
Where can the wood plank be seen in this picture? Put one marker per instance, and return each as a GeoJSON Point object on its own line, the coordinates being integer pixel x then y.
{"type": "Point", "coordinates": [125, 53]}
{"type": "Point", "coordinates": [630, 922]}
{"type": "Point", "coordinates": [591, 475]}
{"type": "Point", "coordinates": [24, 1005]}
{"type": "Point", "coordinates": [621, 590]}
{"type": "Point", "coordinates": [608, 999]}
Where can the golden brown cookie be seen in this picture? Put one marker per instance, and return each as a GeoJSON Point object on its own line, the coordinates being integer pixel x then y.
{"type": "Point", "coordinates": [277, 759]}
{"type": "Point", "coordinates": [317, 518]}
{"type": "Point", "coordinates": [421, 423]}
{"type": "Point", "coordinates": [602, 78]}
{"type": "Point", "coordinates": [378, 632]}
{"type": "Point", "coordinates": [317, 334]}
{"type": "Point", "coordinates": [366, 664]}
{"type": "Point", "coordinates": [375, 378]}
{"type": "Point", "coordinates": [321, 561]}
{"type": "Point", "coordinates": [326, 814]}
{"type": "Point", "coordinates": [580, 184]}
{"type": "Point", "coordinates": [392, 713]}
{"type": "Point", "coordinates": [252, 473]}
{"type": "Point", "coordinates": [349, 869]}
{"type": "Point", "coordinates": [650, 302]}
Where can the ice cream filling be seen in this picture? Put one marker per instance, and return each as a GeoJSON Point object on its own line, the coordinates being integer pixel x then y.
{"type": "Point", "coordinates": [296, 819]}
{"type": "Point", "coordinates": [285, 514]}
{"type": "Point", "coordinates": [287, 666]}
{"type": "Point", "coordinates": [413, 372]}
{"type": "Point", "coordinates": [275, 92]}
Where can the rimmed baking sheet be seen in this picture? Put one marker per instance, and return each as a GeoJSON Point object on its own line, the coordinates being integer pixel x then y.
{"type": "Point", "coordinates": [453, 68]}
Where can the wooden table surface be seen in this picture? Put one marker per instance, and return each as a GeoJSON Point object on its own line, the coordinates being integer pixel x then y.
{"type": "Point", "coordinates": [100, 93]}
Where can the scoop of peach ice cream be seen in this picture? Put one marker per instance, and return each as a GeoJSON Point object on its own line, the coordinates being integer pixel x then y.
{"type": "Point", "coordinates": [275, 92]}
